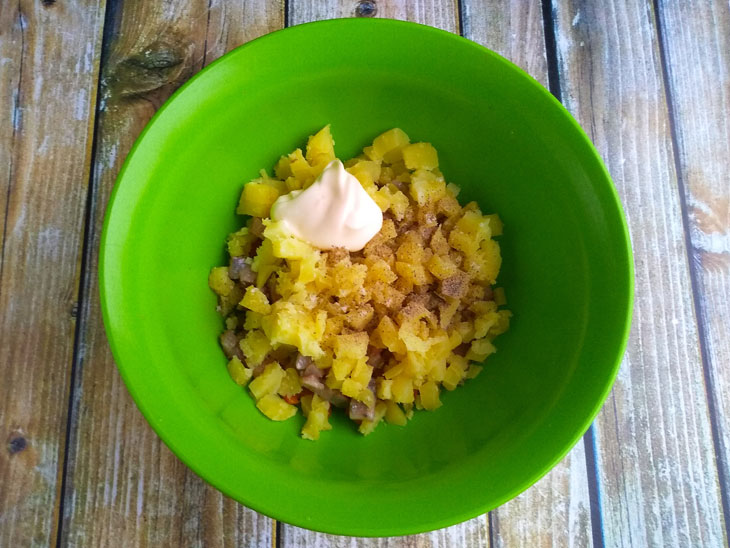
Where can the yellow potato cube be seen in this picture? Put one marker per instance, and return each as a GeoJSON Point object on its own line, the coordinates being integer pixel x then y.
{"type": "Point", "coordinates": [321, 147]}
{"type": "Point", "coordinates": [362, 373]}
{"type": "Point", "coordinates": [255, 346]}
{"type": "Point", "coordinates": [394, 414]}
{"type": "Point", "coordinates": [317, 419]}
{"type": "Point", "coordinates": [413, 273]}
{"type": "Point", "coordinates": [290, 384]}
{"type": "Point", "coordinates": [441, 266]}
{"type": "Point", "coordinates": [282, 169]}
{"type": "Point", "coordinates": [275, 408]}
{"type": "Point", "coordinates": [306, 402]}
{"type": "Point", "coordinates": [402, 389]}
{"type": "Point", "coordinates": [480, 349]}
{"type": "Point", "coordinates": [219, 281]}
{"type": "Point", "coordinates": [304, 173]}
{"type": "Point", "coordinates": [388, 333]}
{"type": "Point", "coordinates": [342, 367]}
{"type": "Point", "coordinates": [495, 224]}
{"type": "Point", "coordinates": [255, 300]}
{"type": "Point", "coordinates": [426, 187]}
{"type": "Point", "coordinates": [367, 426]}
{"type": "Point", "coordinates": [429, 392]}
{"type": "Point", "coordinates": [351, 345]}
{"type": "Point", "coordinates": [392, 140]}
{"type": "Point", "coordinates": [365, 171]}
{"type": "Point", "coordinates": [500, 298]}
{"type": "Point", "coordinates": [384, 389]}
{"type": "Point", "coordinates": [420, 156]}
{"type": "Point", "coordinates": [351, 388]}
{"type": "Point", "coordinates": [240, 374]}
{"type": "Point", "coordinates": [256, 199]}
{"type": "Point", "coordinates": [473, 371]}
{"type": "Point", "coordinates": [268, 382]}
{"type": "Point", "coordinates": [239, 243]}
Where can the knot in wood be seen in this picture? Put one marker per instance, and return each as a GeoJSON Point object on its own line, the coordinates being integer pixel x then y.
{"type": "Point", "coordinates": [16, 444]}
{"type": "Point", "coordinates": [366, 8]}
{"type": "Point", "coordinates": [155, 66]}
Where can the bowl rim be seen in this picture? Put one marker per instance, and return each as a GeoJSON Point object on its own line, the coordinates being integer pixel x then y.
{"type": "Point", "coordinates": [105, 279]}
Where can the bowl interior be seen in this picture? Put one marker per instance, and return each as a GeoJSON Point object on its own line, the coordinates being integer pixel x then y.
{"type": "Point", "coordinates": [504, 140]}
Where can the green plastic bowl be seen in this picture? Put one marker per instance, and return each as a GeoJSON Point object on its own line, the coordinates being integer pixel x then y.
{"type": "Point", "coordinates": [500, 136]}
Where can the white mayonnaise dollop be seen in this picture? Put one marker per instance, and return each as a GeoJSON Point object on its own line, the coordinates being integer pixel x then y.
{"type": "Point", "coordinates": [335, 211]}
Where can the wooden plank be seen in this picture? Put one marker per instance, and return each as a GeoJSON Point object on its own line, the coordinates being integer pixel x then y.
{"type": "Point", "coordinates": [124, 487]}
{"type": "Point", "coordinates": [443, 14]}
{"type": "Point", "coordinates": [513, 29]}
{"type": "Point", "coordinates": [697, 49]}
{"type": "Point", "coordinates": [48, 76]}
{"type": "Point", "coordinates": [555, 511]}
{"type": "Point", "coordinates": [657, 473]}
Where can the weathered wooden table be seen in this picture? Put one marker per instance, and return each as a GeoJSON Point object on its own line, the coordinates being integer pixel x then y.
{"type": "Point", "coordinates": [649, 82]}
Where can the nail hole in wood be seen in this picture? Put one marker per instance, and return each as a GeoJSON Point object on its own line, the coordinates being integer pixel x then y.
{"type": "Point", "coordinates": [16, 444]}
{"type": "Point", "coordinates": [366, 8]}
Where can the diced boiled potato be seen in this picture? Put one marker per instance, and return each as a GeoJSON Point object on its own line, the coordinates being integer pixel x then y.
{"type": "Point", "coordinates": [480, 349]}
{"type": "Point", "coordinates": [321, 147]}
{"type": "Point", "coordinates": [473, 371]}
{"type": "Point", "coordinates": [499, 296]}
{"type": "Point", "coordinates": [420, 156]}
{"type": "Point", "coordinates": [268, 382]}
{"type": "Point", "coordinates": [384, 389]}
{"type": "Point", "coordinates": [365, 171]}
{"type": "Point", "coordinates": [362, 373]}
{"type": "Point", "coordinates": [367, 397]}
{"type": "Point", "coordinates": [495, 224]}
{"type": "Point", "coordinates": [388, 333]}
{"type": "Point", "coordinates": [239, 243]}
{"type": "Point", "coordinates": [282, 169]}
{"type": "Point", "coordinates": [351, 345]}
{"type": "Point", "coordinates": [220, 282]}
{"type": "Point", "coordinates": [256, 199]}
{"type": "Point", "coordinates": [402, 389]}
{"type": "Point", "coordinates": [290, 384]}
{"type": "Point", "coordinates": [255, 300]}
{"type": "Point", "coordinates": [392, 140]}
{"type": "Point", "coordinates": [240, 374]}
{"type": "Point", "coordinates": [367, 426]}
{"type": "Point", "coordinates": [429, 392]}
{"type": "Point", "coordinates": [427, 187]}
{"type": "Point", "coordinates": [255, 346]}
{"type": "Point", "coordinates": [306, 402]}
{"type": "Point", "coordinates": [394, 414]}
{"type": "Point", "coordinates": [351, 388]}
{"type": "Point", "coordinates": [413, 273]}
{"type": "Point", "coordinates": [304, 173]}
{"type": "Point", "coordinates": [342, 367]}
{"type": "Point", "coordinates": [442, 266]}
{"type": "Point", "coordinates": [276, 408]}
{"type": "Point", "coordinates": [317, 419]}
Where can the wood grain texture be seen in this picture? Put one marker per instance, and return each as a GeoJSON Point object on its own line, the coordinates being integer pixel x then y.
{"type": "Point", "coordinates": [470, 534]}
{"type": "Point", "coordinates": [555, 511]}
{"type": "Point", "coordinates": [48, 76]}
{"type": "Point", "coordinates": [697, 49]}
{"type": "Point", "coordinates": [443, 14]}
{"type": "Point", "coordinates": [124, 487]}
{"type": "Point", "coordinates": [513, 29]}
{"type": "Point", "coordinates": [657, 474]}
